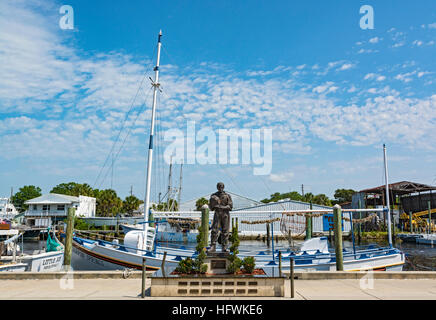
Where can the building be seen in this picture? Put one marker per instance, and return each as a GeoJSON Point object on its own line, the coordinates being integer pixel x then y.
{"type": "Point", "coordinates": [239, 202]}
{"type": "Point", "coordinates": [404, 196]}
{"type": "Point", "coordinates": [320, 224]}
{"type": "Point", "coordinates": [49, 208]}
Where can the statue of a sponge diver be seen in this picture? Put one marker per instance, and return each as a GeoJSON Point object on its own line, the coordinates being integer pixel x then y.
{"type": "Point", "coordinates": [221, 203]}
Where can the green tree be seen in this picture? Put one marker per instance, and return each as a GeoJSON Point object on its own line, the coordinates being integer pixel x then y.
{"type": "Point", "coordinates": [201, 202]}
{"type": "Point", "coordinates": [294, 195]}
{"type": "Point", "coordinates": [163, 206]}
{"type": "Point", "coordinates": [130, 204]}
{"type": "Point", "coordinates": [25, 193]}
{"type": "Point", "coordinates": [108, 203]}
{"type": "Point", "coordinates": [343, 195]}
{"type": "Point", "coordinates": [74, 189]}
{"type": "Point", "coordinates": [322, 199]}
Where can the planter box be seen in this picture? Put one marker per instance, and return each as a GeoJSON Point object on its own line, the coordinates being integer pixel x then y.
{"type": "Point", "coordinates": [221, 285]}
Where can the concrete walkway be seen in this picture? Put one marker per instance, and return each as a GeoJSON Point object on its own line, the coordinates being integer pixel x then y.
{"type": "Point", "coordinates": [336, 289]}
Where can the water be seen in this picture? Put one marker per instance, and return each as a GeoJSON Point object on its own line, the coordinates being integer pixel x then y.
{"type": "Point", "coordinates": [419, 257]}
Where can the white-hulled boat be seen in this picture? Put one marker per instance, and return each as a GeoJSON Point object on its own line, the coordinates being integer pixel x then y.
{"type": "Point", "coordinates": [13, 258]}
{"type": "Point", "coordinates": [314, 255]}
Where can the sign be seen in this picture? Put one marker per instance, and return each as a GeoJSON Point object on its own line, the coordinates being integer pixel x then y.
{"type": "Point", "coordinates": [327, 222]}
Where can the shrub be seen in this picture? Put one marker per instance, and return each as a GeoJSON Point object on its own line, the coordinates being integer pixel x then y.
{"type": "Point", "coordinates": [185, 266]}
{"type": "Point", "coordinates": [249, 263]}
{"type": "Point", "coordinates": [194, 266]}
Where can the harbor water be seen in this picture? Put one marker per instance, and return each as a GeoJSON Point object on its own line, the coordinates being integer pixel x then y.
{"type": "Point", "coordinates": [419, 257]}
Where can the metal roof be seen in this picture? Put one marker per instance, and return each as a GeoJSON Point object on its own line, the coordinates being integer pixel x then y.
{"type": "Point", "coordinates": [53, 198]}
{"type": "Point", "coordinates": [403, 187]}
{"type": "Point", "coordinates": [239, 202]}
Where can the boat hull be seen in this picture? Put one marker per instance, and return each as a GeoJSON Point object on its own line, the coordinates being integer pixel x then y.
{"type": "Point", "coordinates": [98, 255]}
{"type": "Point", "coordinates": [42, 262]}
{"type": "Point", "coordinates": [103, 258]}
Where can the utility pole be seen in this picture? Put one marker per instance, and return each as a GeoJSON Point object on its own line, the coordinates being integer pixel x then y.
{"type": "Point", "coordinates": [302, 190]}
{"type": "Point", "coordinates": [131, 190]}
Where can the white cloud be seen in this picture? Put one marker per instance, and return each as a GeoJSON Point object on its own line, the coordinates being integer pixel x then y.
{"type": "Point", "coordinates": [282, 177]}
{"type": "Point", "coordinates": [345, 66]}
{"type": "Point", "coordinates": [405, 77]}
{"type": "Point", "coordinates": [375, 40]}
{"type": "Point", "coordinates": [432, 25]}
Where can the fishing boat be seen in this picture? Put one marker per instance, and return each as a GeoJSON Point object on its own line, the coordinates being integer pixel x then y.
{"type": "Point", "coordinates": [14, 259]}
{"type": "Point", "coordinates": [178, 230]}
{"type": "Point", "coordinates": [139, 243]}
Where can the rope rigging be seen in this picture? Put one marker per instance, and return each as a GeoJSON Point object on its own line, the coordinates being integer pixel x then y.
{"type": "Point", "coordinates": [147, 69]}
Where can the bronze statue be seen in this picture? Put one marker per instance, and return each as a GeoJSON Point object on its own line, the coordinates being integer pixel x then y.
{"type": "Point", "coordinates": [221, 203]}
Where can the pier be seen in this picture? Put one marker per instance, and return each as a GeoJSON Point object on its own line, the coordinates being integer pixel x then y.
{"type": "Point", "coordinates": [119, 285]}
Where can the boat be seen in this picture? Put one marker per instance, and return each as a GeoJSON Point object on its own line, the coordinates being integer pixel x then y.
{"type": "Point", "coordinates": [7, 209]}
{"type": "Point", "coordinates": [140, 242]}
{"type": "Point", "coordinates": [426, 239]}
{"type": "Point", "coordinates": [178, 230]}
{"type": "Point", "coordinates": [14, 259]}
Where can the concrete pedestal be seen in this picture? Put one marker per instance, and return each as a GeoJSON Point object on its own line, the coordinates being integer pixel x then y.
{"type": "Point", "coordinates": [217, 262]}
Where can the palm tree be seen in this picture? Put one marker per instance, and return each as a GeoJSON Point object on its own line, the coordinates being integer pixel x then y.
{"type": "Point", "coordinates": [130, 204]}
{"type": "Point", "coordinates": [108, 203]}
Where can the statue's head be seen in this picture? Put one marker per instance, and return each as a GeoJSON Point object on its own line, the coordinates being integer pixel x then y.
{"type": "Point", "coordinates": [220, 186]}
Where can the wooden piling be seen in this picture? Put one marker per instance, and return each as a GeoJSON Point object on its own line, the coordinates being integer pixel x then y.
{"type": "Point", "coordinates": [162, 267]}
{"type": "Point", "coordinates": [291, 276]}
{"type": "Point", "coordinates": [309, 225]}
{"type": "Point", "coordinates": [359, 234]}
{"type": "Point", "coordinates": [410, 222]}
{"type": "Point", "coordinates": [280, 263]}
{"type": "Point", "coordinates": [337, 220]}
{"type": "Point", "coordinates": [144, 277]}
{"type": "Point", "coordinates": [69, 237]}
{"type": "Point", "coordinates": [205, 224]}
{"type": "Point", "coordinates": [267, 235]}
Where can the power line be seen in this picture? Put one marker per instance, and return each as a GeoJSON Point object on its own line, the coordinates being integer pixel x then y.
{"type": "Point", "coordinates": [124, 121]}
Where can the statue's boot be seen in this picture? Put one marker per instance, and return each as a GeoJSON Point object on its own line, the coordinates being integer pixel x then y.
{"type": "Point", "coordinates": [224, 249]}
{"type": "Point", "coordinates": [212, 248]}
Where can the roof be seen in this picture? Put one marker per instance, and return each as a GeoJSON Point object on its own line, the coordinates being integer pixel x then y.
{"type": "Point", "coordinates": [403, 187]}
{"type": "Point", "coordinates": [239, 202]}
{"type": "Point", "coordinates": [285, 205]}
{"type": "Point", "coordinates": [53, 198]}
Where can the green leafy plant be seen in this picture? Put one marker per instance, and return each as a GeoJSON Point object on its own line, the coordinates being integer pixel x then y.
{"type": "Point", "coordinates": [196, 265]}
{"type": "Point", "coordinates": [185, 265]}
{"type": "Point", "coordinates": [235, 263]}
{"type": "Point", "coordinates": [248, 264]}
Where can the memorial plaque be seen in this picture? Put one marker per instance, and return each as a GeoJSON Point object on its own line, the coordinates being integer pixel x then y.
{"type": "Point", "coordinates": [218, 264]}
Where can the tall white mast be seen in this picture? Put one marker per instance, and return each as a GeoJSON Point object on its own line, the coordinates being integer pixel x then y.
{"type": "Point", "coordinates": [155, 85]}
{"type": "Point", "coordinates": [387, 195]}
{"type": "Point", "coordinates": [180, 187]}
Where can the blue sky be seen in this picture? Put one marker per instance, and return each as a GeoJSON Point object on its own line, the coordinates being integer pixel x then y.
{"type": "Point", "coordinates": [331, 92]}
